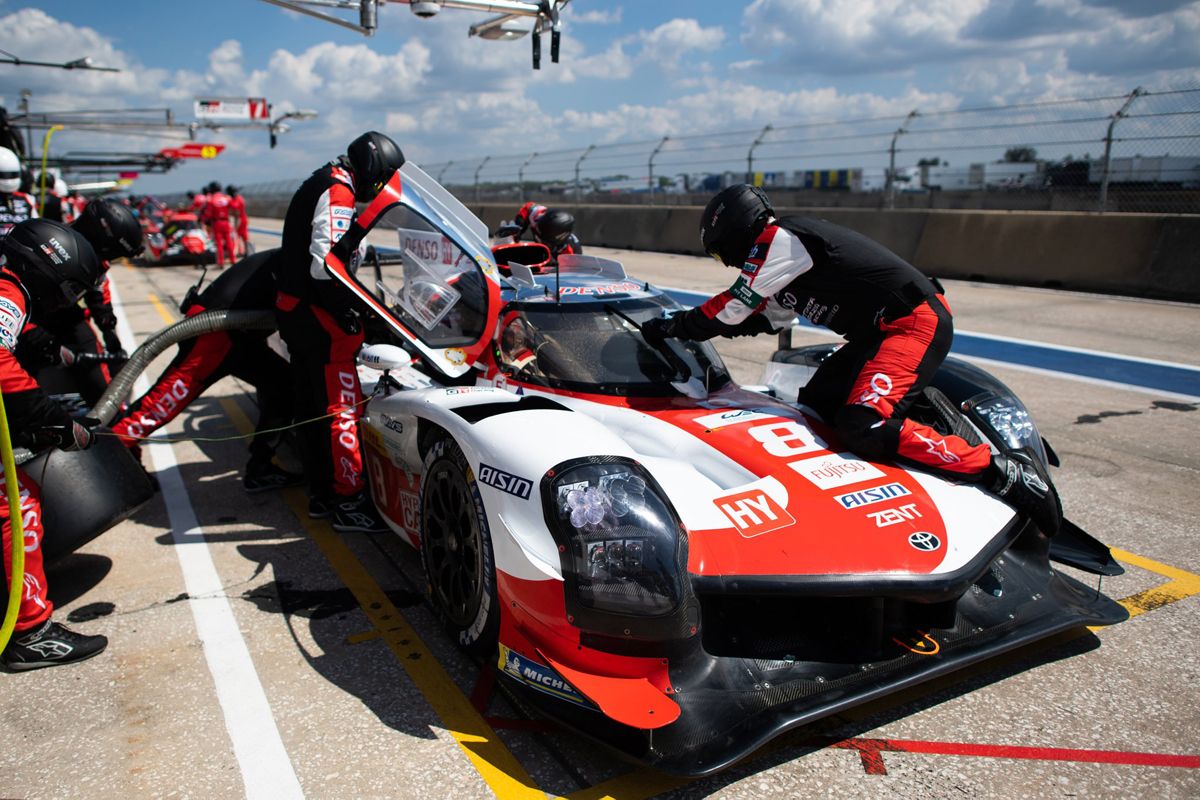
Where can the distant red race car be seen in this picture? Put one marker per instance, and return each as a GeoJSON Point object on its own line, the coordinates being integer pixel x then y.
{"type": "Point", "coordinates": [176, 237]}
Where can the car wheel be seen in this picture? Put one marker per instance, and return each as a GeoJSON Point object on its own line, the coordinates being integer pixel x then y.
{"type": "Point", "coordinates": [456, 549]}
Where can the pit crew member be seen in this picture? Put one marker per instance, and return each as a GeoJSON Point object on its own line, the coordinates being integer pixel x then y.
{"type": "Point", "coordinates": [321, 326]}
{"type": "Point", "coordinates": [15, 204]}
{"type": "Point", "coordinates": [897, 326]}
{"type": "Point", "coordinates": [46, 266]}
{"type": "Point", "coordinates": [552, 227]}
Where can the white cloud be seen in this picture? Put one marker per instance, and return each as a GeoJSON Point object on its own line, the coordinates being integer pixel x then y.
{"type": "Point", "coordinates": [610, 17]}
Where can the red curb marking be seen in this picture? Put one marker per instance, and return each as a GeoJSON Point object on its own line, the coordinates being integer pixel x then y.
{"type": "Point", "coordinates": [871, 752]}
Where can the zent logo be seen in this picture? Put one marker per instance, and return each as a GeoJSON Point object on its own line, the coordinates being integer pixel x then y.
{"type": "Point", "coordinates": [892, 516]}
{"type": "Point", "coordinates": [754, 513]}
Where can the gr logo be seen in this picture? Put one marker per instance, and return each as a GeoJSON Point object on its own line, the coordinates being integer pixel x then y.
{"type": "Point", "coordinates": [505, 481]}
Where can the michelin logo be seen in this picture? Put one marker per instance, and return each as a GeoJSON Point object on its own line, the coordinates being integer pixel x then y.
{"type": "Point", "coordinates": [539, 676]}
{"type": "Point", "coordinates": [876, 494]}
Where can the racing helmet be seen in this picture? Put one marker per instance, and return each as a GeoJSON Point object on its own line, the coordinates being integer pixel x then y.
{"type": "Point", "coordinates": [56, 264]}
{"type": "Point", "coordinates": [373, 158]}
{"type": "Point", "coordinates": [10, 171]}
{"type": "Point", "coordinates": [732, 221]}
{"type": "Point", "coordinates": [212, 188]}
{"type": "Point", "coordinates": [110, 228]}
{"type": "Point", "coordinates": [553, 226]}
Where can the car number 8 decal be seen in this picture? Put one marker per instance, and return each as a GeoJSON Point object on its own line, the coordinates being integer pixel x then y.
{"type": "Point", "coordinates": [785, 439]}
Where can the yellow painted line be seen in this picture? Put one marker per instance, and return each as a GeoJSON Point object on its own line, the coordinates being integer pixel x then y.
{"type": "Point", "coordinates": [637, 785]}
{"type": "Point", "coordinates": [365, 636]}
{"type": "Point", "coordinates": [497, 766]}
{"type": "Point", "coordinates": [167, 316]}
{"type": "Point", "coordinates": [1183, 584]}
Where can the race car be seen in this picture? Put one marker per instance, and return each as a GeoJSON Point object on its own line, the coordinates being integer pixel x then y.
{"type": "Point", "coordinates": [674, 565]}
{"type": "Point", "coordinates": [176, 237]}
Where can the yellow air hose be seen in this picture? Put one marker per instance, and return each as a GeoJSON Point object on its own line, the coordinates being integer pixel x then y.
{"type": "Point", "coordinates": [18, 532]}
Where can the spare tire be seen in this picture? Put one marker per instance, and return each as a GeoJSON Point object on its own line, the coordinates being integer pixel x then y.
{"type": "Point", "coordinates": [86, 492]}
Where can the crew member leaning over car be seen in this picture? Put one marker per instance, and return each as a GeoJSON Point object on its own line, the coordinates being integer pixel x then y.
{"type": "Point", "coordinates": [319, 322]}
{"type": "Point", "coordinates": [202, 361]}
{"type": "Point", "coordinates": [45, 266]}
{"type": "Point", "coordinates": [552, 227]}
{"type": "Point", "coordinates": [897, 326]}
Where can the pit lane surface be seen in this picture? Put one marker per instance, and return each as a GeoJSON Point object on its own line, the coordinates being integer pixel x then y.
{"type": "Point", "coordinates": [256, 653]}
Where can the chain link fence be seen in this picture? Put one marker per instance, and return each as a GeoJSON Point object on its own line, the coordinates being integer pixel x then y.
{"type": "Point", "coordinates": [1137, 152]}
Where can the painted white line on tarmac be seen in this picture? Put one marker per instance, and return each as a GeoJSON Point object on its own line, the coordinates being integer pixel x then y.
{"type": "Point", "coordinates": [267, 771]}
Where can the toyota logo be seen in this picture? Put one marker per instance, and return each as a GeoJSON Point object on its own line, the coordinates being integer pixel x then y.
{"type": "Point", "coordinates": [924, 541]}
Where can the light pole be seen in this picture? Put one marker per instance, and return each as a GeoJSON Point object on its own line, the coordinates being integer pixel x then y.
{"type": "Point", "coordinates": [579, 163]}
{"type": "Point", "coordinates": [278, 126]}
{"type": "Point", "coordinates": [891, 176]}
{"type": "Point", "coordinates": [650, 166]}
{"type": "Point", "coordinates": [521, 177]}
{"type": "Point", "coordinates": [750, 154]}
{"type": "Point", "coordinates": [477, 171]}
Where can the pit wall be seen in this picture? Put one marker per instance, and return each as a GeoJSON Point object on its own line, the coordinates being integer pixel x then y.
{"type": "Point", "coordinates": [1141, 255]}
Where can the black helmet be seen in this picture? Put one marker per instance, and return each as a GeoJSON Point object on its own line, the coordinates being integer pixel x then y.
{"type": "Point", "coordinates": [55, 263]}
{"type": "Point", "coordinates": [731, 223]}
{"type": "Point", "coordinates": [231, 190]}
{"type": "Point", "coordinates": [373, 158]}
{"type": "Point", "coordinates": [212, 188]}
{"type": "Point", "coordinates": [553, 226]}
{"type": "Point", "coordinates": [110, 228]}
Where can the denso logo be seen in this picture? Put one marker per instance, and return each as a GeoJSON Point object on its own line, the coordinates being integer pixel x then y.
{"type": "Point", "coordinates": [876, 494]}
{"type": "Point", "coordinates": [505, 481]}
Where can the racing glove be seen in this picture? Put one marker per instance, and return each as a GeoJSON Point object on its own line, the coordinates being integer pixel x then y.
{"type": "Point", "coordinates": [656, 330]}
{"type": "Point", "coordinates": [508, 228]}
{"type": "Point", "coordinates": [77, 436]}
{"type": "Point", "coordinates": [112, 343]}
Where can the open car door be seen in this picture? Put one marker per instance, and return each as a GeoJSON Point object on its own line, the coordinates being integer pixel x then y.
{"type": "Point", "coordinates": [434, 281]}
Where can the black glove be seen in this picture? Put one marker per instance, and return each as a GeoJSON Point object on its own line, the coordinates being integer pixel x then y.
{"type": "Point", "coordinates": [76, 436]}
{"type": "Point", "coordinates": [112, 342]}
{"type": "Point", "coordinates": [103, 316]}
{"type": "Point", "coordinates": [655, 330]}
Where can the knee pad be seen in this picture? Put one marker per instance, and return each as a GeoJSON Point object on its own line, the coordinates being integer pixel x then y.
{"type": "Point", "coordinates": [861, 430]}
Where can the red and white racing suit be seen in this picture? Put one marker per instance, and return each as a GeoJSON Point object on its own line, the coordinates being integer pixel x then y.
{"type": "Point", "coordinates": [29, 411]}
{"type": "Point", "coordinates": [246, 286]}
{"type": "Point", "coordinates": [14, 208]}
{"type": "Point", "coordinates": [237, 205]}
{"type": "Point", "coordinates": [216, 215]}
{"type": "Point", "coordinates": [527, 217]}
{"type": "Point", "coordinates": [322, 330]}
{"type": "Point", "coordinates": [896, 322]}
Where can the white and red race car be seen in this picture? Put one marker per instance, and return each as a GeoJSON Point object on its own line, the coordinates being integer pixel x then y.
{"type": "Point", "coordinates": [677, 566]}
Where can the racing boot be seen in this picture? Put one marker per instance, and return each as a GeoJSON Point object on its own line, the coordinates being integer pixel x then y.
{"type": "Point", "coordinates": [49, 645]}
{"type": "Point", "coordinates": [357, 514]}
{"type": "Point", "coordinates": [265, 476]}
{"type": "Point", "coordinates": [1022, 481]}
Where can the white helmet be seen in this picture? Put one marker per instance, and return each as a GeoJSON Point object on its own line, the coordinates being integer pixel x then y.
{"type": "Point", "coordinates": [10, 171]}
{"type": "Point", "coordinates": [60, 187]}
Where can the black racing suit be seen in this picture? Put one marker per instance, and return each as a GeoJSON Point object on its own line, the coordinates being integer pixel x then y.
{"type": "Point", "coordinates": [202, 361]}
{"type": "Point", "coordinates": [897, 325]}
{"type": "Point", "coordinates": [321, 327]}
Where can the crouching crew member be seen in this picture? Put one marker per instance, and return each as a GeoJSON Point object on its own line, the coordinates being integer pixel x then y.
{"type": "Point", "coordinates": [46, 266]}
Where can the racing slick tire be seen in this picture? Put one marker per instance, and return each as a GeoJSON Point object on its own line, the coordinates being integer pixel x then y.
{"type": "Point", "coordinates": [456, 550]}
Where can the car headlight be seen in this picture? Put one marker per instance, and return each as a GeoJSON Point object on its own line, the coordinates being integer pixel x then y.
{"type": "Point", "coordinates": [1008, 418]}
{"type": "Point", "coordinates": [623, 548]}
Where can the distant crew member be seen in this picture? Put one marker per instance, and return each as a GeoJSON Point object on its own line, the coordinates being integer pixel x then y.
{"type": "Point", "coordinates": [552, 227]}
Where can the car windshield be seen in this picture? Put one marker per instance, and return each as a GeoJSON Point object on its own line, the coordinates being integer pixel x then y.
{"type": "Point", "coordinates": [597, 347]}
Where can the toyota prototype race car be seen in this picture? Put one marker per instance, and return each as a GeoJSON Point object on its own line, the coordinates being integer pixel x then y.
{"type": "Point", "coordinates": [674, 565]}
{"type": "Point", "coordinates": [176, 237]}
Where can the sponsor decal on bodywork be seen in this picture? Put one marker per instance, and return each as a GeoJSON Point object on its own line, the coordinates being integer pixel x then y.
{"type": "Point", "coordinates": [505, 481]}
{"type": "Point", "coordinates": [836, 469]}
{"type": "Point", "coordinates": [720, 420]}
{"type": "Point", "coordinates": [876, 494]}
{"type": "Point", "coordinates": [539, 676]}
{"type": "Point", "coordinates": [612, 288]}
{"type": "Point", "coordinates": [753, 512]}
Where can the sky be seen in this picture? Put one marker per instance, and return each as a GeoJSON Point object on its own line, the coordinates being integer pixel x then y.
{"type": "Point", "coordinates": [631, 70]}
